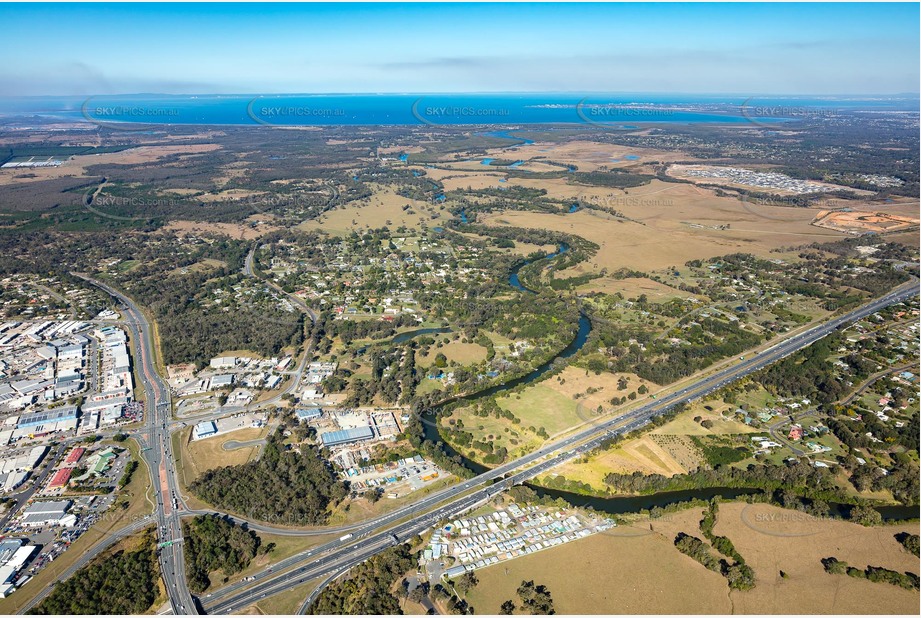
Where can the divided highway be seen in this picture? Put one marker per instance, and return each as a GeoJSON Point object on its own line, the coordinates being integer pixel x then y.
{"type": "Point", "coordinates": [157, 451]}
{"type": "Point", "coordinates": [354, 549]}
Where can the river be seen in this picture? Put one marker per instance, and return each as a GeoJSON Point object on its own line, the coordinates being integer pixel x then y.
{"type": "Point", "coordinates": [620, 504]}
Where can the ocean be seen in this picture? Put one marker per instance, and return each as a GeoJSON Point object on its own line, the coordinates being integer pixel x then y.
{"type": "Point", "coordinates": [624, 111]}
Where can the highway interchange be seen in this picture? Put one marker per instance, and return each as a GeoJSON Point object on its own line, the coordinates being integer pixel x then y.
{"type": "Point", "coordinates": [371, 537]}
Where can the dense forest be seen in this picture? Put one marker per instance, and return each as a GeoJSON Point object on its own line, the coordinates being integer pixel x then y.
{"type": "Point", "coordinates": [124, 582]}
{"type": "Point", "coordinates": [283, 486]}
{"type": "Point", "coordinates": [367, 589]}
{"type": "Point", "coordinates": [213, 543]}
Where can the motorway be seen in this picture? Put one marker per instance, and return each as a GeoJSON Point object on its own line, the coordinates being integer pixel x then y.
{"type": "Point", "coordinates": [157, 451]}
{"type": "Point", "coordinates": [357, 547]}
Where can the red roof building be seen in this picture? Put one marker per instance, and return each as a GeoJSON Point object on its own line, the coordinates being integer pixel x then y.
{"type": "Point", "coordinates": [60, 478]}
{"type": "Point", "coordinates": [75, 455]}
{"type": "Point", "coordinates": [796, 433]}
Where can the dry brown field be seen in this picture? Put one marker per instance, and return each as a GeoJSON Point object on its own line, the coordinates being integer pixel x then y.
{"type": "Point", "coordinates": [672, 224]}
{"type": "Point", "coordinates": [635, 568]}
{"type": "Point", "coordinates": [383, 208]}
{"type": "Point", "coordinates": [75, 166]}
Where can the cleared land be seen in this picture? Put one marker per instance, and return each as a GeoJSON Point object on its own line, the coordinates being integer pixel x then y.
{"type": "Point", "coordinates": [383, 209]}
{"type": "Point", "coordinates": [666, 450]}
{"type": "Point", "coordinates": [628, 571]}
{"type": "Point", "coordinates": [200, 456]}
{"type": "Point", "coordinates": [241, 231]}
{"type": "Point", "coordinates": [457, 351]}
{"type": "Point", "coordinates": [75, 166]}
{"type": "Point", "coordinates": [633, 287]}
{"type": "Point", "coordinates": [863, 222]}
{"type": "Point", "coordinates": [635, 568]}
{"type": "Point", "coordinates": [773, 539]}
{"type": "Point", "coordinates": [660, 232]}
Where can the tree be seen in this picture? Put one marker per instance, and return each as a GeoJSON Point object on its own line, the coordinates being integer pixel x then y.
{"type": "Point", "coordinates": [536, 599]}
{"type": "Point", "coordinates": [416, 594]}
{"type": "Point", "coordinates": [866, 516]}
{"type": "Point", "coordinates": [467, 582]}
{"type": "Point", "coordinates": [507, 609]}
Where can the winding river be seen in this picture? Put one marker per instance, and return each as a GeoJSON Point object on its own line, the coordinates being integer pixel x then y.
{"type": "Point", "coordinates": [620, 504]}
{"type": "Point", "coordinates": [585, 328]}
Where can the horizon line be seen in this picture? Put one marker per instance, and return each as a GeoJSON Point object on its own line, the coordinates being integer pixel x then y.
{"type": "Point", "coordinates": [468, 93]}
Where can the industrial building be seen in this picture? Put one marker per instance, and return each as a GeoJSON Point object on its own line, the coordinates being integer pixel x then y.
{"type": "Point", "coordinates": [60, 478]}
{"type": "Point", "coordinates": [223, 362]}
{"type": "Point", "coordinates": [50, 513]}
{"type": "Point", "coordinates": [109, 410]}
{"type": "Point", "coordinates": [46, 418]}
{"type": "Point", "coordinates": [346, 436]}
{"type": "Point", "coordinates": [222, 381]}
{"type": "Point", "coordinates": [74, 455]}
{"type": "Point", "coordinates": [205, 429]}
{"type": "Point", "coordinates": [308, 414]}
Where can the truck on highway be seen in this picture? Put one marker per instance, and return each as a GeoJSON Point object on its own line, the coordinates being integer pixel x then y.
{"type": "Point", "coordinates": [345, 537]}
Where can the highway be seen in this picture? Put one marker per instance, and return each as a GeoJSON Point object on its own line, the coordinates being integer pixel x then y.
{"type": "Point", "coordinates": [362, 544]}
{"type": "Point", "coordinates": [156, 449]}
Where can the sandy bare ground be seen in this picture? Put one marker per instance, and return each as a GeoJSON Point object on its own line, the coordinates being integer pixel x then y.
{"type": "Point", "coordinates": [862, 222]}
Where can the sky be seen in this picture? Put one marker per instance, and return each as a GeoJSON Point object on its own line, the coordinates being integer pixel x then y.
{"type": "Point", "coordinates": [824, 48]}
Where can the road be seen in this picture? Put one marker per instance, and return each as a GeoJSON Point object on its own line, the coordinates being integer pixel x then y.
{"type": "Point", "coordinates": [19, 498]}
{"type": "Point", "coordinates": [363, 543]}
{"type": "Point", "coordinates": [157, 451]}
{"type": "Point", "coordinates": [85, 559]}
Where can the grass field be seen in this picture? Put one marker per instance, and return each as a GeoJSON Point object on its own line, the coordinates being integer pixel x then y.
{"type": "Point", "coordinates": [557, 404]}
{"type": "Point", "coordinates": [635, 568]}
{"type": "Point", "coordinates": [661, 234]}
{"type": "Point", "coordinates": [628, 571]}
{"type": "Point", "coordinates": [773, 539]}
{"type": "Point", "coordinates": [383, 209]}
{"type": "Point", "coordinates": [201, 455]}
{"type": "Point", "coordinates": [665, 450]}
{"type": "Point", "coordinates": [457, 351]}
{"type": "Point", "coordinates": [633, 287]}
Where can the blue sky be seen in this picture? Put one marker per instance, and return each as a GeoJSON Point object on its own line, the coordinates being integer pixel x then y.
{"type": "Point", "coordinates": [80, 49]}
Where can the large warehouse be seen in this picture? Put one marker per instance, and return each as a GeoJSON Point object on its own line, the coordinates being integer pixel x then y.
{"type": "Point", "coordinates": [345, 436]}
